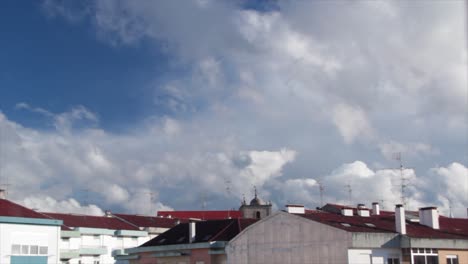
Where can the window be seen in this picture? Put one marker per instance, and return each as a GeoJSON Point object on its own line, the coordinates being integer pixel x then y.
{"type": "Point", "coordinates": [452, 259]}
{"type": "Point", "coordinates": [257, 215]}
{"type": "Point", "coordinates": [43, 250]}
{"type": "Point", "coordinates": [393, 261]}
{"type": "Point", "coordinates": [24, 250]}
{"type": "Point", "coordinates": [425, 256]}
{"type": "Point", "coordinates": [345, 224]}
{"type": "Point", "coordinates": [34, 250]}
{"type": "Point", "coordinates": [370, 225]}
{"type": "Point", "coordinates": [15, 249]}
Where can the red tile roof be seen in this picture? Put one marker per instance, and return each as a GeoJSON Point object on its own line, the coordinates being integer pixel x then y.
{"type": "Point", "coordinates": [74, 220]}
{"type": "Point", "coordinates": [204, 215]}
{"type": "Point", "coordinates": [450, 228]}
{"type": "Point", "coordinates": [8, 208]}
{"type": "Point", "coordinates": [150, 221]}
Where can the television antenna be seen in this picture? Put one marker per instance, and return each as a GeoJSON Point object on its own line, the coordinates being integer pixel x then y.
{"type": "Point", "coordinates": [321, 189]}
{"type": "Point", "coordinates": [350, 193]}
{"type": "Point", "coordinates": [403, 180]}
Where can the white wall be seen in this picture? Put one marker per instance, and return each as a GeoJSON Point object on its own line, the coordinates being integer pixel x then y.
{"type": "Point", "coordinates": [372, 256]}
{"type": "Point", "coordinates": [22, 234]}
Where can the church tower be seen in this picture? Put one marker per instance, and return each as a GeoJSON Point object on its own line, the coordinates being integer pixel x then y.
{"type": "Point", "coordinates": [257, 209]}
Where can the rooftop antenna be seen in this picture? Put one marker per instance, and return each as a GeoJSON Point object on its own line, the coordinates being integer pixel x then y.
{"type": "Point", "coordinates": [382, 203]}
{"type": "Point", "coordinates": [350, 193]}
{"type": "Point", "coordinates": [403, 183]}
{"type": "Point", "coordinates": [321, 189]}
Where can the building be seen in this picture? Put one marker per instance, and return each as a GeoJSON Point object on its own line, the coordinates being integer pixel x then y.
{"type": "Point", "coordinates": [201, 215]}
{"type": "Point", "coordinates": [256, 209]}
{"type": "Point", "coordinates": [102, 239]}
{"type": "Point", "coordinates": [26, 236]}
{"type": "Point", "coordinates": [352, 235]}
{"type": "Point", "coordinates": [195, 242]}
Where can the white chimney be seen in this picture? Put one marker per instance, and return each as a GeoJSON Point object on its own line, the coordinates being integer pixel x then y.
{"type": "Point", "coordinates": [400, 221]}
{"type": "Point", "coordinates": [108, 213]}
{"type": "Point", "coordinates": [429, 216]}
{"type": "Point", "coordinates": [347, 212]}
{"type": "Point", "coordinates": [295, 209]}
{"type": "Point", "coordinates": [375, 209]}
{"type": "Point", "coordinates": [362, 210]}
{"type": "Point", "coordinates": [192, 232]}
{"type": "Point", "coordinates": [2, 194]}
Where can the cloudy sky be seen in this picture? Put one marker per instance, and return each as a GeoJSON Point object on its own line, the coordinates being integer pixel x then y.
{"type": "Point", "coordinates": [138, 106]}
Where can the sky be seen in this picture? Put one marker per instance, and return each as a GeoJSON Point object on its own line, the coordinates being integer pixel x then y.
{"type": "Point", "coordinates": [140, 106]}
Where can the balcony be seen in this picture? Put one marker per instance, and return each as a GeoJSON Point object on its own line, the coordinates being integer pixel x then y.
{"type": "Point", "coordinates": [92, 250]}
{"type": "Point", "coordinates": [69, 253]}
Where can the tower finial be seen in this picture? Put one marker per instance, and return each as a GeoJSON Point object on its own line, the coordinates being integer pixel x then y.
{"type": "Point", "coordinates": [255, 191]}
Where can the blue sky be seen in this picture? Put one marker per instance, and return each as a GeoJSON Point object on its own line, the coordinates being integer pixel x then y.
{"type": "Point", "coordinates": [57, 65]}
{"type": "Point", "coordinates": [168, 105]}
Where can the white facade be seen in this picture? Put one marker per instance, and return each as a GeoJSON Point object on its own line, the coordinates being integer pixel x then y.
{"type": "Point", "coordinates": [98, 246]}
{"type": "Point", "coordinates": [29, 240]}
{"type": "Point", "coordinates": [373, 256]}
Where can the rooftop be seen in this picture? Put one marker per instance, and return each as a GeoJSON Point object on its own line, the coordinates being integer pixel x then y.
{"type": "Point", "coordinates": [206, 231]}
{"type": "Point", "coordinates": [203, 215]}
{"type": "Point", "coordinates": [76, 220]}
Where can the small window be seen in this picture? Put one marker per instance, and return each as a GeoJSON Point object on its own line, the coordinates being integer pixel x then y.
{"type": "Point", "coordinates": [257, 215]}
{"type": "Point", "coordinates": [346, 224]}
{"type": "Point", "coordinates": [162, 241]}
{"type": "Point", "coordinates": [43, 250]}
{"type": "Point", "coordinates": [452, 259]}
{"type": "Point", "coordinates": [34, 250]}
{"type": "Point", "coordinates": [180, 239]}
{"type": "Point", "coordinates": [15, 249]}
{"type": "Point", "coordinates": [393, 261]}
{"type": "Point", "coordinates": [370, 225]}
{"type": "Point", "coordinates": [24, 250]}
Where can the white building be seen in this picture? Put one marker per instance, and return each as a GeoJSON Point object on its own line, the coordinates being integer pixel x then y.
{"type": "Point", "coordinates": [88, 239]}
{"type": "Point", "coordinates": [27, 237]}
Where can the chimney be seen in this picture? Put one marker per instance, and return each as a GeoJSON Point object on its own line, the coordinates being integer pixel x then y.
{"type": "Point", "coordinates": [362, 210]}
{"type": "Point", "coordinates": [347, 211]}
{"type": "Point", "coordinates": [375, 209]}
{"type": "Point", "coordinates": [400, 221]}
{"type": "Point", "coordinates": [108, 213]}
{"type": "Point", "coordinates": [295, 209]}
{"type": "Point", "coordinates": [192, 232]}
{"type": "Point", "coordinates": [2, 194]}
{"type": "Point", "coordinates": [429, 216]}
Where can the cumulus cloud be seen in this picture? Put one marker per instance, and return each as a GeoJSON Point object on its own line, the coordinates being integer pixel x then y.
{"type": "Point", "coordinates": [265, 98]}
{"type": "Point", "coordinates": [49, 204]}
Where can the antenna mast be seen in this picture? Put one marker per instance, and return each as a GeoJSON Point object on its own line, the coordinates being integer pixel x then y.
{"type": "Point", "coordinates": [403, 183]}
{"type": "Point", "coordinates": [321, 189]}
{"type": "Point", "coordinates": [350, 193]}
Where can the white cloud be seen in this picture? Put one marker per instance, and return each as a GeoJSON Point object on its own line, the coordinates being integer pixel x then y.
{"type": "Point", "coordinates": [51, 205]}
{"type": "Point", "coordinates": [264, 166]}
{"type": "Point", "coordinates": [352, 123]}
{"type": "Point", "coordinates": [384, 77]}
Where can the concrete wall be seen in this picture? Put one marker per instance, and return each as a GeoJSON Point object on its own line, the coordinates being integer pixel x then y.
{"type": "Point", "coordinates": [284, 238]}
{"type": "Point", "coordinates": [462, 255]}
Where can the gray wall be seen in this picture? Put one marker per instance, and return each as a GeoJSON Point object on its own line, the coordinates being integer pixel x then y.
{"type": "Point", "coordinates": [289, 239]}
